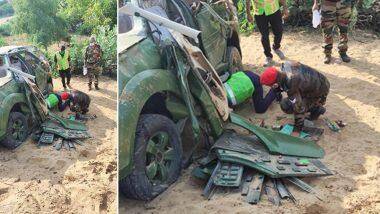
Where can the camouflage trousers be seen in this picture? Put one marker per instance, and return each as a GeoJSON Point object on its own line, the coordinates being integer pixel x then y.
{"type": "Point", "coordinates": [335, 14]}
{"type": "Point", "coordinates": [93, 73]}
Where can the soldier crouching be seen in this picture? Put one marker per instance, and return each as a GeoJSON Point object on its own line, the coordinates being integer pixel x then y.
{"type": "Point", "coordinates": [307, 91]}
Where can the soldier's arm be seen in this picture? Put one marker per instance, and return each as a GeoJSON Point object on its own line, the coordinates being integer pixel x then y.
{"type": "Point", "coordinates": [299, 112]}
{"type": "Point", "coordinates": [85, 56]}
{"type": "Point", "coordinates": [55, 59]}
{"type": "Point", "coordinates": [298, 105]}
{"type": "Point", "coordinates": [285, 11]}
{"type": "Point", "coordinates": [248, 10]}
{"type": "Point", "coordinates": [283, 3]}
{"type": "Point", "coordinates": [315, 5]}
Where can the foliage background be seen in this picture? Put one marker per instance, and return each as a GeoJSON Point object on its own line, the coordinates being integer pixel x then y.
{"type": "Point", "coordinates": [366, 14]}
{"type": "Point", "coordinates": [6, 9]}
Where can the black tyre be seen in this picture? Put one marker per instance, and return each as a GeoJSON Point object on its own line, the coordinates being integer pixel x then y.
{"type": "Point", "coordinates": [234, 60]}
{"type": "Point", "coordinates": [157, 158]}
{"type": "Point", "coordinates": [17, 130]}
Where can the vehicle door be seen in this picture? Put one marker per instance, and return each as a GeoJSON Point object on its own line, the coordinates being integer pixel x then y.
{"type": "Point", "coordinates": [214, 33]}
{"type": "Point", "coordinates": [36, 68]}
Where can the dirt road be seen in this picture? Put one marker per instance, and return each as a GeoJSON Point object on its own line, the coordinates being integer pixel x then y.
{"type": "Point", "coordinates": [44, 180]}
{"type": "Point", "coordinates": [353, 154]}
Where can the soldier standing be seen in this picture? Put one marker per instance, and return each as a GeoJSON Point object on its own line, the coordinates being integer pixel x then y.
{"type": "Point", "coordinates": [92, 62]}
{"type": "Point", "coordinates": [335, 12]}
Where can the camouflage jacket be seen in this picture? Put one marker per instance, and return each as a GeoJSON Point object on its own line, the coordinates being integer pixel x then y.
{"type": "Point", "coordinates": [93, 55]}
{"type": "Point", "coordinates": [79, 102]}
{"type": "Point", "coordinates": [306, 87]}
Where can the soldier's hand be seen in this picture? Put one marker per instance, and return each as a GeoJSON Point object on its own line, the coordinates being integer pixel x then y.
{"type": "Point", "coordinates": [285, 13]}
{"type": "Point", "coordinates": [315, 7]}
{"type": "Point", "coordinates": [295, 134]}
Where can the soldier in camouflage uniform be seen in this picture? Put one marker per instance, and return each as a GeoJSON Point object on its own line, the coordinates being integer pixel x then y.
{"type": "Point", "coordinates": [307, 90]}
{"type": "Point", "coordinates": [335, 12]}
{"type": "Point", "coordinates": [92, 61]}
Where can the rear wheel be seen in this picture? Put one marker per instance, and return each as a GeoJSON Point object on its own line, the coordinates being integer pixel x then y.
{"type": "Point", "coordinates": [234, 60]}
{"type": "Point", "coordinates": [17, 130]}
{"type": "Point", "coordinates": [157, 158]}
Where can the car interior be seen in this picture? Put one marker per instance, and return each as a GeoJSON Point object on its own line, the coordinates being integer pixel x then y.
{"type": "Point", "coordinates": [5, 74]}
{"type": "Point", "coordinates": [164, 8]}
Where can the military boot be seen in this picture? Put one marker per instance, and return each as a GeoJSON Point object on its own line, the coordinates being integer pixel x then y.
{"type": "Point", "coordinates": [97, 87]}
{"type": "Point", "coordinates": [89, 87]}
{"type": "Point", "coordinates": [327, 59]}
{"type": "Point", "coordinates": [345, 57]}
{"type": "Point", "coordinates": [316, 112]}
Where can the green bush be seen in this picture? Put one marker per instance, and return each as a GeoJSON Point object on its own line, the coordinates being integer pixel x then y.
{"type": "Point", "coordinates": [77, 50]}
{"type": "Point", "coordinates": [364, 16]}
{"type": "Point", "coordinates": [2, 42]}
{"type": "Point", "coordinates": [107, 39]}
{"type": "Point", "coordinates": [245, 26]}
{"type": "Point", "coordinates": [6, 29]}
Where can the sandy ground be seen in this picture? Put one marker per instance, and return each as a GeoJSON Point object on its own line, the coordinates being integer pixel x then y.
{"type": "Point", "coordinates": [353, 154]}
{"type": "Point", "coordinates": [43, 180]}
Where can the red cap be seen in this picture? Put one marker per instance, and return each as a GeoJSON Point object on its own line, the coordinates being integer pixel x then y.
{"type": "Point", "coordinates": [269, 76]}
{"type": "Point", "coordinates": [65, 95]}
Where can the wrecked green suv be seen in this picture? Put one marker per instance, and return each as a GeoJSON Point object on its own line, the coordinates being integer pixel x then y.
{"type": "Point", "coordinates": [170, 100]}
{"type": "Point", "coordinates": [14, 111]}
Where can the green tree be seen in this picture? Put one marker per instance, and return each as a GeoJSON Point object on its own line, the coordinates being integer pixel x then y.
{"type": "Point", "coordinates": [6, 9]}
{"type": "Point", "coordinates": [39, 19]}
{"type": "Point", "coordinates": [86, 15]}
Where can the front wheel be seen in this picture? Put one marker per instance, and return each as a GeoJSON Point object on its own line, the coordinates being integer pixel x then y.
{"type": "Point", "coordinates": [157, 158]}
{"type": "Point", "coordinates": [17, 130]}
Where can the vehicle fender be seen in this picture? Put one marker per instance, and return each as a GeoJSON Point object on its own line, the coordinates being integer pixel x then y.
{"type": "Point", "coordinates": [6, 107]}
{"type": "Point", "coordinates": [131, 101]}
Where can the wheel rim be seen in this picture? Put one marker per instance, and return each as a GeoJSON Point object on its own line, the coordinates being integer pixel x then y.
{"type": "Point", "coordinates": [159, 158]}
{"type": "Point", "coordinates": [17, 129]}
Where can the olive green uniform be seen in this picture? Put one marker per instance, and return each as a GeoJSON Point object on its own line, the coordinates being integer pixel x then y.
{"type": "Point", "coordinates": [335, 13]}
{"type": "Point", "coordinates": [93, 57]}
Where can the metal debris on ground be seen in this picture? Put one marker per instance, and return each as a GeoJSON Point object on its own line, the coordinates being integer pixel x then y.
{"type": "Point", "coordinates": [254, 189]}
{"type": "Point", "coordinates": [333, 126]}
{"type": "Point", "coordinates": [247, 163]}
{"type": "Point", "coordinates": [340, 123]}
{"type": "Point", "coordinates": [229, 175]}
{"type": "Point", "coordinates": [272, 193]}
